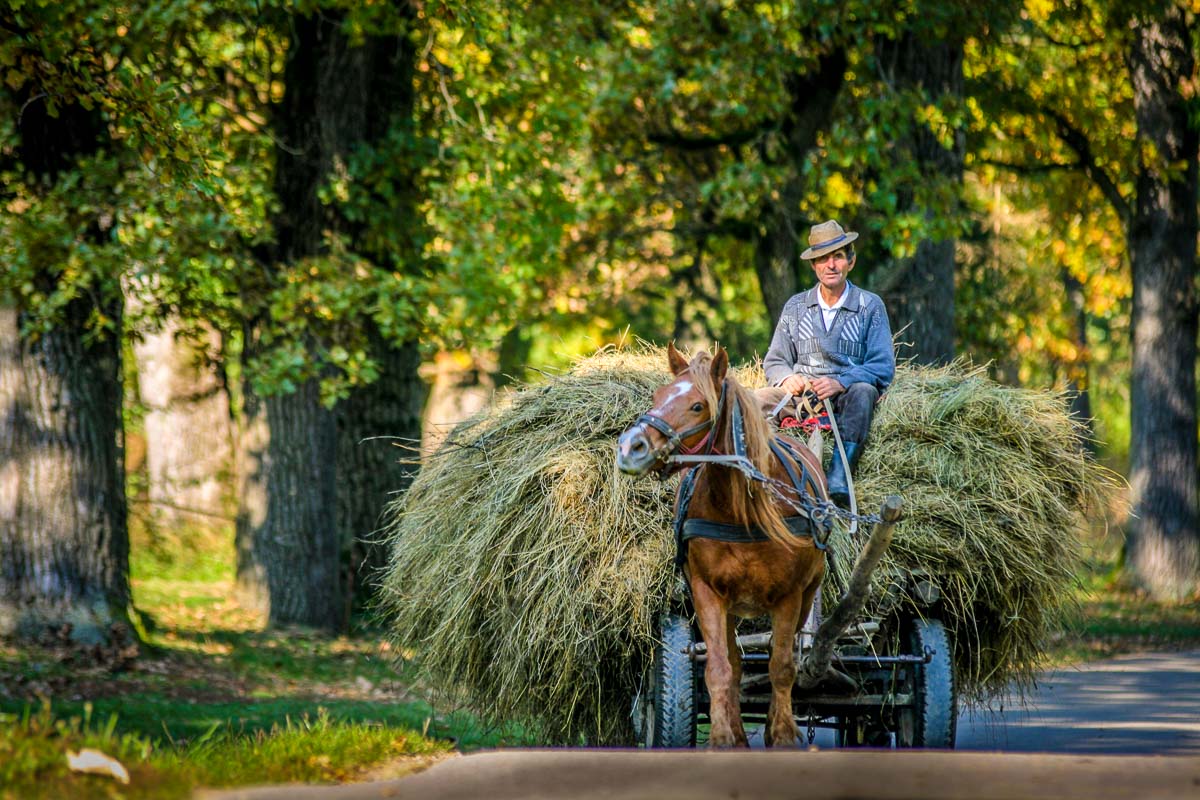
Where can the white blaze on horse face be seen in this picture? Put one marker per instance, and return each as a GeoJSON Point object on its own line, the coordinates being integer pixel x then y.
{"type": "Point", "coordinates": [682, 388]}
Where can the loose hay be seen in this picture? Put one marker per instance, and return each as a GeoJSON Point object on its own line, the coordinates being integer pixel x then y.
{"type": "Point", "coordinates": [526, 574]}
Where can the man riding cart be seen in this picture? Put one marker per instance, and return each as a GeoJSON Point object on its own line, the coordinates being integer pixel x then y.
{"type": "Point", "coordinates": [832, 342]}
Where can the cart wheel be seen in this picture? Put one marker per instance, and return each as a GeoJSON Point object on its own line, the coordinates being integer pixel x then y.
{"type": "Point", "coordinates": [666, 713]}
{"type": "Point", "coordinates": [933, 719]}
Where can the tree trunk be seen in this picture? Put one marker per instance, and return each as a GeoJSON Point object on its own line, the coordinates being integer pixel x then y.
{"type": "Point", "coordinates": [339, 95]}
{"type": "Point", "coordinates": [188, 428]}
{"type": "Point", "coordinates": [919, 291]}
{"type": "Point", "coordinates": [64, 545]}
{"type": "Point", "coordinates": [1077, 374]}
{"type": "Point", "coordinates": [378, 425]}
{"type": "Point", "coordinates": [459, 387]}
{"type": "Point", "coordinates": [783, 235]}
{"type": "Point", "coordinates": [288, 548]}
{"type": "Point", "coordinates": [370, 468]}
{"type": "Point", "coordinates": [287, 538]}
{"type": "Point", "coordinates": [1165, 545]}
{"type": "Point", "coordinates": [64, 541]}
{"type": "Point", "coordinates": [512, 361]}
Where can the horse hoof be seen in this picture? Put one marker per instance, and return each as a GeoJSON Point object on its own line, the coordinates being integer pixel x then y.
{"type": "Point", "coordinates": [782, 739]}
{"type": "Point", "coordinates": [725, 743]}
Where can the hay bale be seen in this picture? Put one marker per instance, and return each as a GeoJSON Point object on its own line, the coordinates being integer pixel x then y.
{"type": "Point", "coordinates": [526, 574]}
{"type": "Point", "coordinates": [996, 487]}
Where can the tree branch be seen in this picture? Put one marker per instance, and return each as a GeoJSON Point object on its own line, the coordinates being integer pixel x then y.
{"type": "Point", "coordinates": [682, 141]}
{"type": "Point", "coordinates": [1029, 169]}
{"type": "Point", "coordinates": [1077, 140]}
{"type": "Point", "coordinates": [1072, 137]}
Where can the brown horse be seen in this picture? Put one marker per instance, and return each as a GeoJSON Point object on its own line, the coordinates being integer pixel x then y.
{"type": "Point", "coordinates": [772, 570]}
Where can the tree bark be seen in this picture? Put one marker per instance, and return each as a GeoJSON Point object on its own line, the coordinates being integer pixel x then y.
{"type": "Point", "coordinates": [378, 426]}
{"type": "Point", "coordinates": [459, 387]}
{"type": "Point", "coordinates": [782, 236]}
{"type": "Point", "coordinates": [64, 544]}
{"type": "Point", "coordinates": [64, 541]}
{"type": "Point", "coordinates": [339, 95]}
{"type": "Point", "coordinates": [1078, 380]}
{"type": "Point", "coordinates": [287, 538]}
{"type": "Point", "coordinates": [919, 292]}
{"type": "Point", "coordinates": [293, 566]}
{"type": "Point", "coordinates": [370, 468]}
{"type": "Point", "coordinates": [1164, 549]}
{"type": "Point", "coordinates": [189, 437]}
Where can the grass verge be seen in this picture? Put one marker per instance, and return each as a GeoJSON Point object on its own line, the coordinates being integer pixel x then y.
{"type": "Point", "coordinates": [34, 748]}
{"type": "Point", "coordinates": [1115, 617]}
{"type": "Point", "coordinates": [210, 699]}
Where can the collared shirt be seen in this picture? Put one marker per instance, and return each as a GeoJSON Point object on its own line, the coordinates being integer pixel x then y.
{"type": "Point", "coordinates": [829, 312]}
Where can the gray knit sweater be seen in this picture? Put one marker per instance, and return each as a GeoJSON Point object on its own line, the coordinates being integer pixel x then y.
{"type": "Point", "coordinates": [856, 348]}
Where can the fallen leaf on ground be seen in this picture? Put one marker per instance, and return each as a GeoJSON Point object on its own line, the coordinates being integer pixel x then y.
{"type": "Point", "coordinates": [96, 763]}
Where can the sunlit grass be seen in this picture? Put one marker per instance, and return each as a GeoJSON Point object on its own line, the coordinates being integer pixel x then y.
{"type": "Point", "coordinates": [33, 748]}
{"type": "Point", "coordinates": [213, 699]}
{"type": "Point", "coordinates": [1116, 617]}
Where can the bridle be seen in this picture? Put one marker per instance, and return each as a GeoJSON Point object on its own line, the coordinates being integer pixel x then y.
{"type": "Point", "coordinates": [674, 454]}
{"type": "Point", "coordinates": [675, 438]}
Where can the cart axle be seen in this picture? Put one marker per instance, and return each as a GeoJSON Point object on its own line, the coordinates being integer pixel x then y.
{"type": "Point", "coordinates": [877, 661]}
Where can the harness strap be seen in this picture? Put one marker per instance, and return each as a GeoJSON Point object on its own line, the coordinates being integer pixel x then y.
{"type": "Point", "coordinates": [675, 438]}
{"type": "Point", "coordinates": [739, 444]}
{"type": "Point", "coordinates": [738, 534]}
{"type": "Point", "coordinates": [801, 484]}
{"type": "Point", "coordinates": [687, 486]}
{"type": "Point", "coordinates": [804, 484]}
{"type": "Point", "coordinates": [809, 483]}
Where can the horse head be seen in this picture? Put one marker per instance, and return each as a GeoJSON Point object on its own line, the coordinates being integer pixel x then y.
{"type": "Point", "coordinates": [684, 416]}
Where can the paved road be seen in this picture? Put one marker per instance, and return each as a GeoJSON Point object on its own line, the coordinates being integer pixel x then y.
{"type": "Point", "coordinates": [824, 775]}
{"type": "Point", "coordinates": [1124, 728]}
{"type": "Point", "coordinates": [1142, 704]}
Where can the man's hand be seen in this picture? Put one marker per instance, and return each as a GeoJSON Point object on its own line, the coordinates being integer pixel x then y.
{"type": "Point", "coordinates": [825, 388]}
{"type": "Point", "coordinates": [795, 384]}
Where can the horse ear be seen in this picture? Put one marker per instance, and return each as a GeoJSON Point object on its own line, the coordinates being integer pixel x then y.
{"type": "Point", "coordinates": [720, 365]}
{"type": "Point", "coordinates": [678, 363]}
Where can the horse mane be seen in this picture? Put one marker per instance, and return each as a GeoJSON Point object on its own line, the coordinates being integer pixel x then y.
{"type": "Point", "coordinates": [751, 503]}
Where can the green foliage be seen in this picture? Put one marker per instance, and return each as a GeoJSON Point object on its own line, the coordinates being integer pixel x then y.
{"type": "Point", "coordinates": [171, 205]}
{"type": "Point", "coordinates": [574, 174]}
{"type": "Point", "coordinates": [1049, 291]}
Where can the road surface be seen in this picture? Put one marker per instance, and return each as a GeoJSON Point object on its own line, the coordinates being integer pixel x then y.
{"type": "Point", "coordinates": [1139, 704]}
{"type": "Point", "coordinates": [1128, 727]}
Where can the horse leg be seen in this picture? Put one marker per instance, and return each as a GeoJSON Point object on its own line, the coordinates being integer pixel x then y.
{"type": "Point", "coordinates": [735, 684]}
{"type": "Point", "coordinates": [718, 672]}
{"type": "Point", "coordinates": [781, 730]}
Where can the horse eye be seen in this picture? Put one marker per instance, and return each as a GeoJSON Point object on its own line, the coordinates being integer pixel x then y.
{"type": "Point", "coordinates": [698, 407]}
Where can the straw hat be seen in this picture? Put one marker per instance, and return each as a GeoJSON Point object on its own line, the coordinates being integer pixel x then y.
{"type": "Point", "coordinates": [825, 238]}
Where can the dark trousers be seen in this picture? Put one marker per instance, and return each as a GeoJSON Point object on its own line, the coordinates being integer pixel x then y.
{"type": "Point", "coordinates": [854, 409]}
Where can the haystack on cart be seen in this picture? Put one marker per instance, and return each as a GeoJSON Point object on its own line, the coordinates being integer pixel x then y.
{"type": "Point", "coordinates": [885, 679]}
